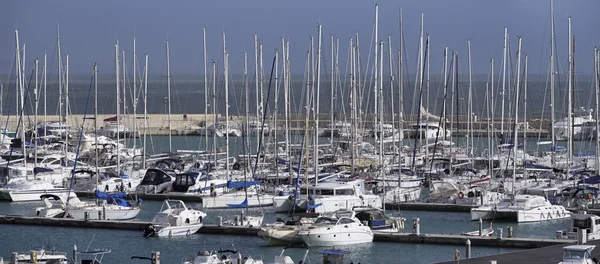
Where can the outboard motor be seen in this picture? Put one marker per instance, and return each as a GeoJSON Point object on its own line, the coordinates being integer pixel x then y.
{"type": "Point", "coordinates": [149, 230]}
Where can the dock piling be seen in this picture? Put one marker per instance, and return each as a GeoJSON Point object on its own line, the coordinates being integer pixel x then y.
{"type": "Point", "coordinates": [103, 213]}
{"type": "Point", "coordinates": [581, 236]}
{"type": "Point", "coordinates": [417, 226]}
{"type": "Point", "coordinates": [13, 258]}
{"type": "Point", "coordinates": [480, 227]}
{"type": "Point", "coordinates": [155, 257]}
{"type": "Point", "coordinates": [219, 221]}
{"type": "Point", "coordinates": [468, 249]}
{"type": "Point", "coordinates": [74, 253]}
{"type": "Point", "coordinates": [500, 230]}
{"type": "Point", "coordinates": [511, 232]}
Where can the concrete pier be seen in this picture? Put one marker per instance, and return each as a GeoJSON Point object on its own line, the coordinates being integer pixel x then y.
{"type": "Point", "coordinates": [443, 239]}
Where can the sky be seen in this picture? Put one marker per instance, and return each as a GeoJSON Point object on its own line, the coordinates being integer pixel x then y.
{"type": "Point", "coordinates": [89, 29]}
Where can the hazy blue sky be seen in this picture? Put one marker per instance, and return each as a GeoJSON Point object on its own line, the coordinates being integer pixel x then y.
{"type": "Point", "coordinates": [90, 28]}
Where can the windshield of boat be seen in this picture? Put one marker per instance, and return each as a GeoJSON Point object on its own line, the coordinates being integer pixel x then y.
{"type": "Point", "coordinates": [575, 255]}
{"type": "Point", "coordinates": [326, 221]}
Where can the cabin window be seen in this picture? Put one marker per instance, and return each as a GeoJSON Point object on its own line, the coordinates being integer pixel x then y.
{"type": "Point", "coordinates": [302, 191]}
{"type": "Point", "coordinates": [327, 192]}
{"type": "Point", "coordinates": [597, 221]}
{"type": "Point", "coordinates": [346, 221]}
{"type": "Point", "coordinates": [344, 192]}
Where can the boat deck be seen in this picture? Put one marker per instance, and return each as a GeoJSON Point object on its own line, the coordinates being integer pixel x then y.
{"type": "Point", "coordinates": [550, 254]}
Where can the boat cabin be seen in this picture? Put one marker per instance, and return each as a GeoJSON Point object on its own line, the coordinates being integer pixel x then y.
{"type": "Point", "coordinates": [340, 186]}
{"type": "Point", "coordinates": [589, 222]}
{"type": "Point", "coordinates": [578, 254]}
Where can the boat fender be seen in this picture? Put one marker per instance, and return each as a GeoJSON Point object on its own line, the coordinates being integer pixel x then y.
{"type": "Point", "coordinates": [461, 195]}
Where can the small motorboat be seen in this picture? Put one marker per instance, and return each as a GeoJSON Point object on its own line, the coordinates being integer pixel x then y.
{"type": "Point", "coordinates": [40, 256]}
{"type": "Point", "coordinates": [484, 232]}
{"type": "Point", "coordinates": [578, 254]}
{"type": "Point", "coordinates": [175, 219]}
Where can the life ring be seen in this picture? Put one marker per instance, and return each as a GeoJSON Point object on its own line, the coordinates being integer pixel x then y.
{"type": "Point", "coordinates": [590, 196]}
{"type": "Point", "coordinates": [461, 195]}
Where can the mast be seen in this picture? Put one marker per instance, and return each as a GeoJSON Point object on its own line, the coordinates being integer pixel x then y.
{"type": "Point", "coordinates": [332, 83]}
{"type": "Point", "coordinates": [247, 143]}
{"type": "Point", "coordinates": [492, 128]}
{"type": "Point", "coordinates": [400, 87]}
{"type": "Point", "coordinates": [390, 61]}
{"type": "Point", "coordinates": [118, 105]}
{"type": "Point", "coordinates": [214, 108]}
{"type": "Point", "coordinates": [526, 80]}
{"type": "Point", "coordinates": [353, 100]}
{"type": "Point", "coordinates": [35, 117]}
{"type": "Point", "coordinates": [60, 77]}
{"type": "Point", "coordinates": [206, 91]}
{"type": "Point", "coordinates": [376, 69]}
{"type": "Point", "coordinates": [380, 110]}
{"type": "Point", "coordinates": [570, 102]}
{"type": "Point", "coordinates": [45, 84]}
{"type": "Point", "coordinates": [276, 110]}
{"type": "Point", "coordinates": [597, 88]}
{"type": "Point", "coordinates": [226, 73]}
{"type": "Point", "coordinates": [20, 88]}
{"type": "Point", "coordinates": [286, 87]}
{"type": "Point", "coordinates": [96, 152]}
{"type": "Point", "coordinates": [135, 97]}
{"type": "Point", "coordinates": [169, 96]}
{"type": "Point", "coordinates": [145, 109]}
{"type": "Point", "coordinates": [470, 105]}
{"type": "Point", "coordinates": [503, 80]}
{"type": "Point", "coordinates": [516, 139]}
{"type": "Point", "coordinates": [316, 106]}
{"type": "Point", "coordinates": [256, 84]}
{"type": "Point", "coordinates": [552, 73]}
{"type": "Point", "coordinates": [67, 93]}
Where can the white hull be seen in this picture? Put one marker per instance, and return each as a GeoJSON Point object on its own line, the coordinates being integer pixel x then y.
{"type": "Point", "coordinates": [111, 214]}
{"type": "Point", "coordinates": [32, 195]}
{"type": "Point", "coordinates": [521, 216]}
{"type": "Point", "coordinates": [223, 202]}
{"type": "Point", "coordinates": [402, 195]}
{"type": "Point", "coordinates": [171, 231]}
{"type": "Point", "coordinates": [280, 235]}
{"type": "Point", "coordinates": [336, 237]}
{"type": "Point", "coordinates": [334, 203]}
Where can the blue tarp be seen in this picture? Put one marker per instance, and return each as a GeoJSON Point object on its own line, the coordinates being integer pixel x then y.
{"type": "Point", "coordinates": [243, 204]}
{"type": "Point", "coordinates": [310, 206]}
{"type": "Point", "coordinates": [590, 180]}
{"type": "Point", "coordinates": [102, 195]}
{"type": "Point", "coordinates": [241, 184]}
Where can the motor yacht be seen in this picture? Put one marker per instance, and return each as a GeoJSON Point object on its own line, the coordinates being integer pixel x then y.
{"type": "Point", "coordinates": [521, 208]}
{"type": "Point", "coordinates": [175, 219]}
{"type": "Point", "coordinates": [338, 228]}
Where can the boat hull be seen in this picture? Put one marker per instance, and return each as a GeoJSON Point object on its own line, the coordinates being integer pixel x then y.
{"type": "Point", "coordinates": [32, 195]}
{"type": "Point", "coordinates": [95, 213]}
{"type": "Point", "coordinates": [334, 237]}
{"type": "Point", "coordinates": [171, 231]}
{"type": "Point", "coordinates": [281, 235]}
{"type": "Point", "coordinates": [223, 202]}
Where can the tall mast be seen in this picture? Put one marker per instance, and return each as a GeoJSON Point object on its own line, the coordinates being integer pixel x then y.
{"type": "Point", "coordinates": [60, 76]}
{"type": "Point", "coordinates": [380, 113]}
{"type": "Point", "coordinates": [123, 101]}
{"type": "Point", "coordinates": [421, 64]}
{"type": "Point", "coordinates": [256, 84]}
{"type": "Point", "coordinates": [35, 117]}
{"type": "Point", "coordinates": [145, 109]}
{"type": "Point", "coordinates": [552, 72]}
{"type": "Point", "coordinates": [45, 84]}
{"type": "Point", "coordinates": [503, 80]}
{"type": "Point", "coordinates": [96, 152]}
{"type": "Point", "coordinates": [492, 112]}
{"type": "Point", "coordinates": [597, 88]}
{"type": "Point", "coordinates": [214, 108]}
{"type": "Point", "coordinates": [276, 109]}
{"type": "Point", "coordinates": [247, 143]}
{"type": "Point", "coordinates": [516, 139]}
{"type": "Point", "coordinates": [287, 101]}
{"type": "Point", "coordinates": [317, 101]}
{"type": "Point", "coordinates": [332, 83]}
{"type": "Point", "coordinates": [390, 55]}
{"type": "Point", "coordinates": [206, 91]}
{"type": "Point", "coordinates": [569, 98]}
{"type": "Point", "coordinates": [169, 96]}
{"type": "Point", "coordinates": [226, 73]}
{"type": "Point", "coordinates": [470, 105]}
{"type": "Point", "coordinates": [21, 91]}
{"type": "Point", "coordinates": [135, 97]}
{"type": "Point", "coordinates": [353, 98]}
{"type": "Point", "coordinates": [118, 105]}
{"type": "Point", "coordinates": [526, 80]}
{"type": "Point", "coordinates": [286, 96]}
{"type": "Point", "coordinates": [400, 85]}
{"type": "Point", "coordinates": [375, 68]}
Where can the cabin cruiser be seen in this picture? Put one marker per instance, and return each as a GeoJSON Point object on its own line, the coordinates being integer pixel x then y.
{"type": "Point", "coordinates": [175, 219]}
{"type": "Point", "coordinates": [588, 222]}
{"type": "Point", "coordinates": [86, 180]}
{"type": "Point", "coordinates": [53, 207]}
{"type": "Point", "coordinates": [55, 128]}
{"type": "Point", "coordinates": [337, 228]}
{"type": "Point", "coordinates": [428, 130]}
{"type": "Point", "coordinates": [328, 196]}
{"type": "Point", "coordinates": [219, 129]}
{"type": "Point", "coordinates": [477, 195]}
{"type": "Point", "coordinates": [377, 220]}
{"type": "Point", "coordinates": [198, 183]}
{"type": "Point", "coordinates": [578, 254]}
{"type": "Point", "coordinates": [285, 232]}
{"type": "Point", "coordinates": [22, 190]}
{"type": "Point", "coordinates": [522, 208]}
{"type": "Point", "coordinates": [257, 127]}
{"type": "Point", "coordinates": [41, 256]}
{"type": "Point", "coordinates": [581, 116]}
{"type": "Point", "coordinates": [156, 181]}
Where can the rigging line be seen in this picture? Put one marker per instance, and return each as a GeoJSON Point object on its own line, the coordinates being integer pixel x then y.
{"type": "Point", "coordinates": [260, 139]}
{"type": "Point", "coordinates": [419, 112]}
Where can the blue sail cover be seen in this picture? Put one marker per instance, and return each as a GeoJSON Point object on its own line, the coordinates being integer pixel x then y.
{"type": "Point", "coordinates": [241, 184]}
{"type": "Point", "coordinates": [119, 201]}
{"type": "Point", "coordinates": [310, 206]}
{"type": "Point", "coordinates": [243, 204]}
{"type": "Point", "coordinates": [590, 180]}
{"type": "Point", "coordinates": [37, 170]}
{"type": "Point", "coordinates": [102, 195]}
